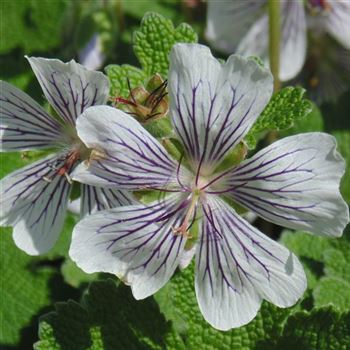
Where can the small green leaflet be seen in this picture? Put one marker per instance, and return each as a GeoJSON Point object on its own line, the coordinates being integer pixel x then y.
{"type": "Point", "coordinates": [284, 109]}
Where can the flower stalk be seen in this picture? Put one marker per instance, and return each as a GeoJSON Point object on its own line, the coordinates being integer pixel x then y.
{"type": "Point", "coordinates": [274, 9]}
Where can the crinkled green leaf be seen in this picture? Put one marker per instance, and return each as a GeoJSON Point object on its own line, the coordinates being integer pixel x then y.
{"type": "Point", "coordinates": [331, 290]}
{"type": "Point", "coordinates": [119, 75]}
{"type": "Point", "coordinates": [154, 40]}
{"type": "Point", "coordinates": [334, 288]}
{"type": "Point", "coordinates": [321, 329]}
{"type": "Point", "coordinates": [327, 265]}
{"type": "Point", "coordinates": [178, 302]}
{"type": "Point", "coordinates": [337, 259]}
{"type": "Point", "coordinates": [107, 318]}
{"type": "Point", "coordinates": [32, 25]}
{"type": "Point", "coordinates": [305, 244]}
{"type": "Point", "coordinates": [313, 122]}
{"type": "Point", "coordinates": [284, 109]}
{"type": "Point", "coordinates": [343, 140]}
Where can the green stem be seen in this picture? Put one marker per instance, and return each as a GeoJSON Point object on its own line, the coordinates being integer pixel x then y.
{"type": "Point", "coordinates": [120, 15]}
{"type": "Point", "coordinates": [274, 40]}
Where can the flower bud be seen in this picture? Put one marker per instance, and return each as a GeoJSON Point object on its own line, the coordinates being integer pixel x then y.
{"type": "Point", "coordinates": [148, 103]}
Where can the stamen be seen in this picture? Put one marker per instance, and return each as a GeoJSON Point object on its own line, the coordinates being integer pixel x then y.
{"type": "Point", "coordinates": [182, 230]}
{"type": "Point", "coordinates": [69, 179]}
{"type": "Point", "coordinates": [68, 162]}
{"type": "Point", "coordinates": [47, 179]}
{"type": "Point", "coordinates": [95, 155]}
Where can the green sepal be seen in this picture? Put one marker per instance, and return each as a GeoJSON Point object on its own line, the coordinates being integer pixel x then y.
{"type": "Point", "coordinates": [159, 128]}
{"type": "Point", "coordinates": [234, 157]}
{"type": "Point", "coordinates": [75, 192]}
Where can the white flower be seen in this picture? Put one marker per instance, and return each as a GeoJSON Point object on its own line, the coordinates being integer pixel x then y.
{"type": "Point", "coordinates": [242, 26]}
{"type": "Point", "coordinates": [34, 199]}
{"type": "Point", "coordinates": [293, 182]}
{"type": "Point", "coordinates": [92, 55]}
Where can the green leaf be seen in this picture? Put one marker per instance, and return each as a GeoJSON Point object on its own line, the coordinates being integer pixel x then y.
{"type": "Point", "coordinates": [337, 259]}
{"type": "Point", "coordinates": [27, 285]}
{"type": "Point", "coordinates": [118, 76]}
{"type": "Point", "coordinates": [284, 109]}
{"type": "Point", "coordinates": [321, 329]}
{"type": "Point", "coordinates": [107, 318]}
{"type": "Point", "coordinates": [334, 288]}
{"type": "Point", "coordinates": [313, 122]}
{"type": "Point", "coordinates": [306, 244]}
{"type": "Point", "coordinates": [327, 264]}
{"type": "Point", "coordinates": [154, 40]}
{"type": "Point", "coordinates": [32, 25]}
{"type": "Point", "coordinates": [26, 282]}
{"type": "Point", "coordinates": [178, 302]}
{"type": "Point", "coordinates": [343, 140]}
{"type": "Point", "coordinates": [330, 290]}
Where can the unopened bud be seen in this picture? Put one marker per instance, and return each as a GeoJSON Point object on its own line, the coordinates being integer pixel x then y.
{"type": "Point", "coordinates": [148, 103]}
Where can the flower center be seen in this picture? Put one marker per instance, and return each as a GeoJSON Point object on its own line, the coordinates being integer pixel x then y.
{"type": "Point", "coordinates": [197, 191]}
{"type": "Point", "coordinates": [64, 165]}
{"type": "Point", "coordinates": [317, 7]}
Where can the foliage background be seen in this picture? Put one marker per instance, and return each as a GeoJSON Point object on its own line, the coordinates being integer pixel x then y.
{"type": "Point", "coordinates": [47, 300]}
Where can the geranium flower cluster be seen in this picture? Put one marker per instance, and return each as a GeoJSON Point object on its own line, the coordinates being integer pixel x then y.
{"type": "Point", "coordinates": [294, 182]}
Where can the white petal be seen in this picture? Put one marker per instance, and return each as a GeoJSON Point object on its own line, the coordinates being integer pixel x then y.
{"type": "Point", "coordinates": [213, 105]}
{"type": "Point", "coordinates": [136, 243]}
{"type": "Point", "coordinates": [133, 159]}
{"type": "Point", "coordinates": [24, 124]}
{"type": "Point", "coordinates": [237, 267]}
{"type": "Point", "coordinates": [74, 206]}
{"type": "Point", "coordinates": [92, 56]}
{"type": "Point", "coordinates": [187, 257]}
{"type": "Point", "coordinates": [337, 21]}
{"type": "Point", "coordinates": [229, 21]}
{"type": "Point", "coordinates": [294, 183]}
{"type": "Point", "coordinates": [94, 199]}
{"type": "Point", "coordinates": [293, 39]}
{"type": "Point", "coordinates": [34, 207]}
{"type": "Point", "coordinates": [69, 87]}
